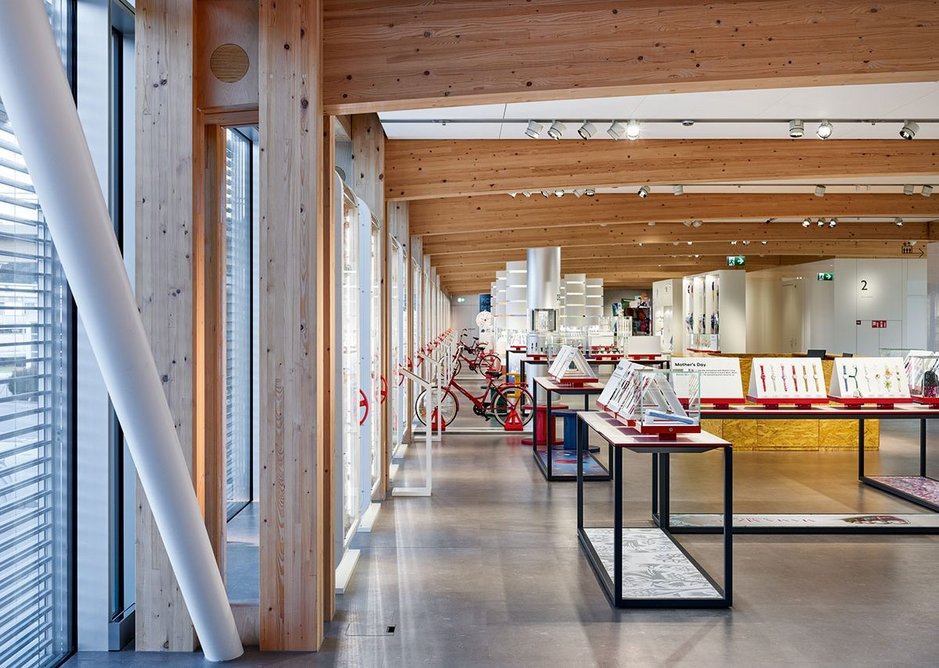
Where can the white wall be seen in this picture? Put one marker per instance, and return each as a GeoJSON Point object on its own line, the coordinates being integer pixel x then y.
{"type": "Point", "coordinates": [464, 315]}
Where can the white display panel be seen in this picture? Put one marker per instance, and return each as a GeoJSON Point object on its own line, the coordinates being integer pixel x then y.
{"type": "Point", "coordinates": [869, 379]}
{"type": "Point", "coordinates": [787, 380]}
{"type": "Point", "coordinates": [644, 346]}
{"type": "Point", "coordinates": [571, 365]}
{"type": "Point", "coordinates": [720, 379]}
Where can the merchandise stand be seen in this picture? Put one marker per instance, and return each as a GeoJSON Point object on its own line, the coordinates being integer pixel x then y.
{"type": "Point", "coordinates": [919, 489]}
{"type": "Point", "coordinates": [622, 558]}
{"type": "Point", "coordinates": [428, 445]}
{"type": "Point", "coordinates": [545, 458]}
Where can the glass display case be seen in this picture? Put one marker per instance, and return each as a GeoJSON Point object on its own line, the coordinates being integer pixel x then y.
{"type": "Point", "coordinates": [350, 396]}
{"type": "Point", "coordinates": [922, 370]}
{"type": "Point", "coordinates": [660, 409]}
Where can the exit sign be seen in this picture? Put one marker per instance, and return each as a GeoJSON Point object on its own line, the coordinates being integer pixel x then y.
{"type": "Point", "coordinates": [826, 276]}
{"type": "Point", "coordinates": [736, 260]}
{"type": "Point", "coordinates": [878, 324]}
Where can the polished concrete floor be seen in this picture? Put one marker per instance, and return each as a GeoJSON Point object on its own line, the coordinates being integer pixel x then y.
{"type": "Point", "coordinates": [488, 572]}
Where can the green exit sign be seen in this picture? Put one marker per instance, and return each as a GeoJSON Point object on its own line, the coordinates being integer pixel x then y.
{"type": "Point", "coordinates": [736, 260]}
{"type": "Point", "coordinates": [825, 276]}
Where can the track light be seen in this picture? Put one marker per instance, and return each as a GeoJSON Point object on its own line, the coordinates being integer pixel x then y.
{"type": "Point", "coordinates": [833, 222]}
{"type": "Point", "coordinates": [617, 130]}
{"type": "Point", "coordinates": [632, 130]}
{"type": "Point", "coordinates": [559, 193]}
{"type": "Point", "coordinates": [678, 190]}
{"type": "Point", "coordinates": [824, 130]}
{"type": "Point", "coordinates": [821, 222]}
{"type": "Point", "coordinates": [578, 193]}
{"type": "Point", "coordinates": [927, 191]}
{"type": "Point", "coordinates": [733, 243]}
{"type": "Point", "coordinates": [819, 191]}
{"type": "Point", "coordinates": [556, 130]}
{"type": "Point", "coordinates": [533, 131]}
{"type": "Point", "coordinates": [546, 193]}
{"type": "Point", "coordinates": [526, 193]}
{"type": "Point", "coordinates": [587, 130]}
{"type": "Point", "coordinates": [513, 195]}
{"type": "Point", "coordinates": [687, 223]}
{"type": "Point", "coordinates": [764, 242]}
{"type": "Point", "coordinates": [909, 130]}
{"type": "Point", "coordinates": [746, 243]}
{"type": "Point", "coordinates": [651, 223]}
{"type": "Point", "coordinates": [898, 221]}
{"type": "Point", "coordinates": [696, 223]}
{"type": "Point", "coordinates": [690, 242]}
{"type": "Point", "coordinates": [590, 192]}
{"type": "Point", "coordinates": [644, 191]}
{"type": "Point", "coordinates": [806, 222]}
{"type": "Point", "coordinates": [796, 129]}
{"type": "Point", "coordinates": [908, 189]}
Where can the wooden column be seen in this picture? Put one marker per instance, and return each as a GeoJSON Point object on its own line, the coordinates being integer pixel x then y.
{"type": "Point", "coordinates": [292, 452]}
{"type": "Point", "coordinates": [164, 279]}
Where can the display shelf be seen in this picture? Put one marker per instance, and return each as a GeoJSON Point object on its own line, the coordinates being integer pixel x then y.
{"type": "Point", "coordinates": [882, 381]}
{"type": "Point", "coordinates": [794, 381]}
{"type": "Point", "coordinates": [667, 310]}
{"type": "Point", "coordinates": [593, 301]}
{"type": "Point", "coordinates": [714, 315]}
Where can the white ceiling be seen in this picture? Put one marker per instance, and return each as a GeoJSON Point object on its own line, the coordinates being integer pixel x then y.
{"type": "Point", "coordinates": [871, 101]}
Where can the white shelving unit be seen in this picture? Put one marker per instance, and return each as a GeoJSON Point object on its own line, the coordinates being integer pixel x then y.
{"type": "Point", "coordinates": [516, 296]}
{"type": "Point", "coordinates": [715, 311]}
{"type": "Point", "coordinates": [667, 311]}
{"type": "Point", "coordinates": [575, 301]}
{"type": "Point", "coordinates": [593, 304]}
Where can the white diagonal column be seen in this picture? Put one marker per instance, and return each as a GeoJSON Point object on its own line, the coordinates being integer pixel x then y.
{"type": "Point", "coordinates": [37, 97]}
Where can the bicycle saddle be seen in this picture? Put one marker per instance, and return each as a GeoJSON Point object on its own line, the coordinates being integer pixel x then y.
{"type": "Point", "coordinates": [493, 373]}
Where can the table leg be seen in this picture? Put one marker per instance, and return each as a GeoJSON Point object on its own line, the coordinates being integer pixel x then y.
{"type": "Point", "coordinates": [922, 447]}
{"type": "Point", "coordinates": [618, 525]}
{"type": "Point", "coordinates": [534, 427]}
{"type": "Point", "coordinates": [728, 524]}
{"type": "Point", "coordinates": [549, 435]}
{"type": "Point", "coordinates": [655, 485]}
{"type": "Point", "coordinates": [586, 401]}
{"type": "Point", "coordinates": [582, 435]}
{"type": "Point", "coordinates": [664, 500]}
{"type": "Point", "coordinates": [860, 448]}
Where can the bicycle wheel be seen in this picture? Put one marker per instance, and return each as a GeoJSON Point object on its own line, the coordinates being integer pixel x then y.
{"type": "Point", "coordinates": [449, 407]}
{"type": "Point", "coordinates": [488, 362]}
{"type": "Point", "coordinates": [457, 367]}
{"type": "Point", "coordinates": [510, 398]}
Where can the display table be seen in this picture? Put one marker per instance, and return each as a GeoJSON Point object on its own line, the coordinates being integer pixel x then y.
{"type": "Point", "coordinates": [605, 361]}
{"type": "Point", "coordinates": [546, 456]}
{"type": "Point", "coordinates": [919, 488]}
{"type": "Point", "coordinates": [645, 567]}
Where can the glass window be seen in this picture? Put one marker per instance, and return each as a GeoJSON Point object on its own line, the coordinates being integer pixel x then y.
{"type": "Point", "coordinates": [238, 320]}
{"type": "Point", "coordinates": [35, 443]}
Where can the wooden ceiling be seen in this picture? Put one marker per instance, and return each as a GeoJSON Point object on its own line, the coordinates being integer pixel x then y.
{"type": "Point", "coordinates": [464, 52]}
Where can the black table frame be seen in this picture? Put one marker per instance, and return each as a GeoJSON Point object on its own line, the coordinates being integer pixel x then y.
{"type": "Point", "coordinates": [613, 590]}
{"type": "Point", "coordinates": [833, 413]}
{"type": "Point", "coordinates": [546, 468]}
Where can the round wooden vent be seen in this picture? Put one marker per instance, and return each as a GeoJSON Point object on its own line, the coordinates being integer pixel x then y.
{"type": "Point", "coordinates": [229, 63]}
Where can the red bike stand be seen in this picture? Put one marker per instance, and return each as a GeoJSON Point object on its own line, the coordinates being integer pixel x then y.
{"type": "Point", "coordinates": [433, 422]}
{"type": "Point", "coordinates": [541, 417]}
{"type": "Point", "coordinates": [513, 422]}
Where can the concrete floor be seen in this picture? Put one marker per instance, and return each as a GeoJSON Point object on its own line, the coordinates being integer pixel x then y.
{"type": "Point", "coordinates": [488, 572]}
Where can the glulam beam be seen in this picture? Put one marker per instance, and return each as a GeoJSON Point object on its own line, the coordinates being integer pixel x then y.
{"type": "Point", "coordinates": [426, 54]}
{"type": "Point", "coordinates": [489, 213]}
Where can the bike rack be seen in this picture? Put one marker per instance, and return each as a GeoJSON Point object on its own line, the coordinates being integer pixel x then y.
{"type": "Point", "coordinates": [428, 447]}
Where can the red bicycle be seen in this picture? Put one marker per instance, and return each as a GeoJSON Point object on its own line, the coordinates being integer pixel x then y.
{"type": "Point", "coordinates": [475, 357]}
{"type": "Point", "coordinates": [495, 401]}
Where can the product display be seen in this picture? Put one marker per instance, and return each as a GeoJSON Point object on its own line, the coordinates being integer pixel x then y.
{"type": "Point", "coordinates": [922, 370]}
{"type": "Point", "coordinates": [720, 379]}
{"type": "Point", "coordinates": [646, 399]}
{"type": "Point", "coordinates": [714, 307]}
{"type": "Point", "coordinates": [787, 380]}
{"type": "Point", "coordinates": [861, 380]}
{"type": "Point", "coordinates": [570, 366]}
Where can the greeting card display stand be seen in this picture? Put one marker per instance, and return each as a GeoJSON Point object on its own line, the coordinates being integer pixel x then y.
{"type": "Point", "coordinates": [719, 377]}
{"type": "Point", "coordinates": [787, 381]}
{"type": "Point", "coordinates": [570, 367]}
{"type": "Point", "coordinates": [859, 381]}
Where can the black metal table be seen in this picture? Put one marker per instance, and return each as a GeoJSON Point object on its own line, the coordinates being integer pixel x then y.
{"type": "Point", "coordinates": [646, 567]}
{"type": "Point", "coordinates": [550, 387]}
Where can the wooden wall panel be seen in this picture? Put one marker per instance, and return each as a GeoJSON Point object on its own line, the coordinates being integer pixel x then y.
{"type": "Point", "coordinates": [291, 211]}
{"type": "Point", "coordinates": [165, 280]}
{"type": "Point", "coordinates": [224, 27]}
{"type": "Point", "coordinates": [425, 169]}
{"type": "Point", "coordinates": [401, 54]}
{"type": "Point", "coordinates": [368, 161]}
{"type": "Point", "coordinates": [499, 212]}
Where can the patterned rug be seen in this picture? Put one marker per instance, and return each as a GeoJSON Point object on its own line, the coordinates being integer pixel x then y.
{"type": "Point", "coordinates": [926, 489]}
{"type": "Point", "coordinates": [653, 566]}
{"type": "Point", "coordinates": [564, 463]}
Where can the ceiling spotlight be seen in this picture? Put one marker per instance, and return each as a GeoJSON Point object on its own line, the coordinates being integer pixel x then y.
{"type": "Point", "coordinates": [898, 221]}
{"type": "Point", "coordinates": [824, 130]}
{"type": "Point", "coordinates": [651, 223]}
{"type": "Point", "coordinates": [833, 222]}
{"type": "Point", "coordinates": [806, 222]}
{"type": "Point", "coordinates": [909, 129]}
{"type": "Point", "coordinates": [546, 193]}
{"type": "Point", "coordinates": [674, 243]}
{"type": "Point", "coordinates": [556, 130]}
{"type": "Point", "coordinates": [687, 122]}
{"type": "Point", "coordinates": [696, 223]}
{"type": "Point", "coordinates": [632, 130]}
{"type": "Point", "coordinates": [644, 191]}
{"type": "Point", "coordinates": [733, 243]}
{"type": "Point", "coordinates": [819, 191]}
{"type": "Point", "coordinates": [687, 223]}
{"type": "Point", "coordinates": [821, 222]}
{"type": "Point", "coordinates": [678, 190]}
{"type": "Point", "coordinates": [533, 131]}
{"type": "Point", "coordinates": [587, 130]}
{"type": "Point", "coordinates": [526, 193]}
{"type": "Point", "coordinates": [617, 130]}
{"type": "Point", "coordinates": [927, 191]}
{"type": "Point", "coordinates": [764, 242]}
{"type": "Point", "coordinates": [746, 243]}
{"type": "Point", "coordinates": [513, 194]}
{"type": "Point", "coordinates": [559, 193]}
{"type": "Point", "coordinates": [590, 192]}
{"type": "Point", "coordinates": [578, 193]}
{"type": "Point", "coordinates": [690, 242]}
{"type": "Point", "coordinates": [796, 129]}
{"type": "Point", "coordinates": [908, 189]}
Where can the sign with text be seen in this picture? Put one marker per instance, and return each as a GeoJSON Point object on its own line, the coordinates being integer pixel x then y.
{"type": "Point", "coordinates": [736, 260]}
{"type": "Point", "coordinates": [720, 378]}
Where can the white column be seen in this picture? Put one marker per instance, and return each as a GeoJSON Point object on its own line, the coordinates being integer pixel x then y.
{"type": "Point", "coordinates": [38, 99]}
